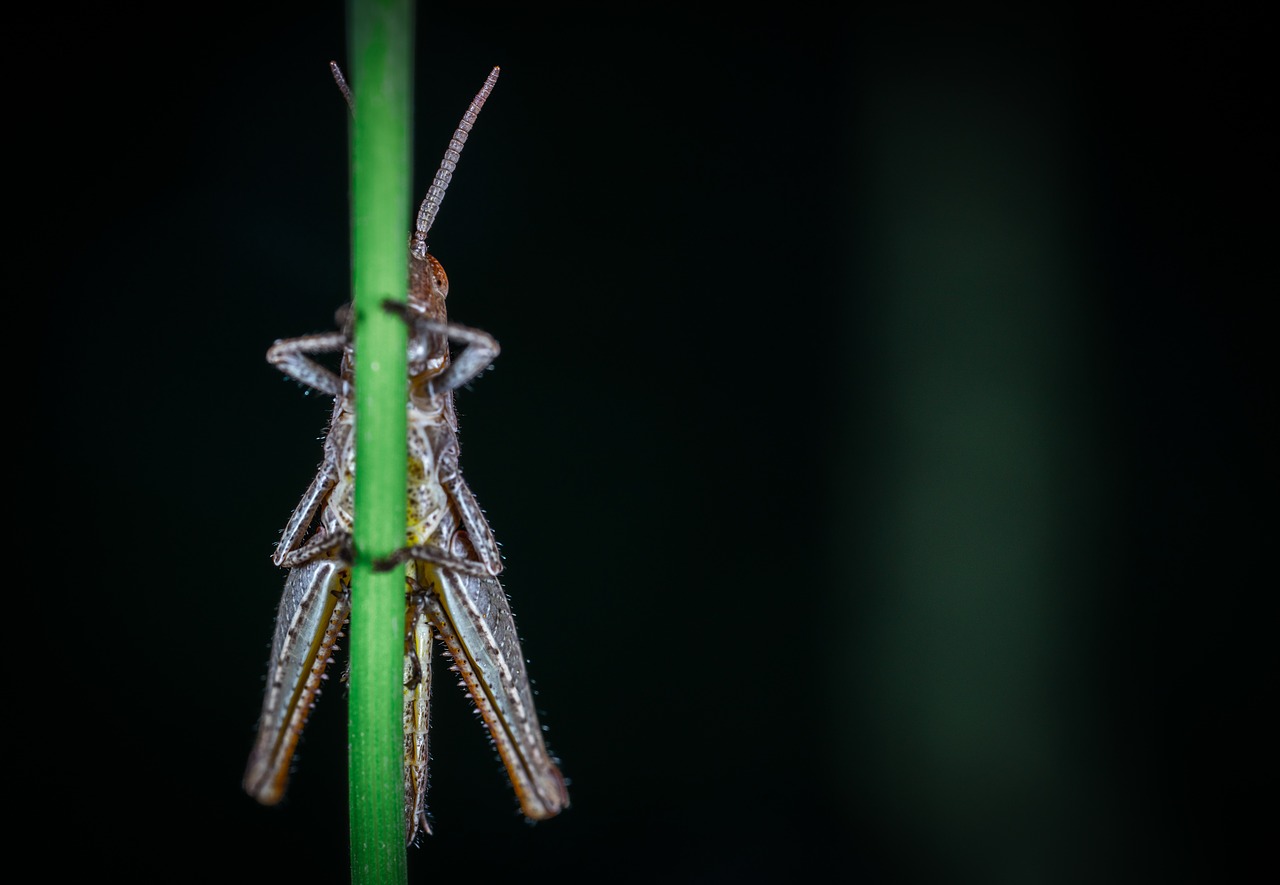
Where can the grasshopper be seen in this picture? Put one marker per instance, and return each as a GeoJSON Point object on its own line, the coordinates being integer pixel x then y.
{"type": "Point", "coordinates": [451, 559]}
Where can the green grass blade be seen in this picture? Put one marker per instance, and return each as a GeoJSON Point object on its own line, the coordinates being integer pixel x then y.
{"type": "Point", "coordinates": [381, 44]}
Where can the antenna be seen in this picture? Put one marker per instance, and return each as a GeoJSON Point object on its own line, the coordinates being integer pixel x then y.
{"type": "Point", "coordinates": [435, 193]}
{"type": "Point", "coordinates": [342, 84]}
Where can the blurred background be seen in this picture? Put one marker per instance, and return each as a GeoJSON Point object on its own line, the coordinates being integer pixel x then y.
{"type": "Point", "coordinates": [876, 445]}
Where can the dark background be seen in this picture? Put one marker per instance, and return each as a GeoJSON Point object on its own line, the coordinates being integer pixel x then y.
{"type": "Point", "coordinates": [876, 445]}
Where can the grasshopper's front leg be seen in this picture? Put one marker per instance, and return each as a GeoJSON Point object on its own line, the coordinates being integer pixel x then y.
{"type": "Point", "coordinates": [480, 351]}
{"type": "Point", "coordinates": [293, 357]}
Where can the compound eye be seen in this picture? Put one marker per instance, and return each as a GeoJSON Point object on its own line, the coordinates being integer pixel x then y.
{"type": "Point", "coordinates": [437, 270]}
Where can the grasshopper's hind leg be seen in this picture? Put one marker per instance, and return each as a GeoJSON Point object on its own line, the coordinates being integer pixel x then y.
{"type": "Point", "coordinates": [312, 613]}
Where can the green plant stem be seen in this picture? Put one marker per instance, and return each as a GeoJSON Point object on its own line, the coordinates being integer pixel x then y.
{"type": "Point", "coordinates": [381, 46]}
